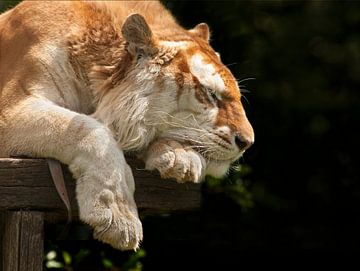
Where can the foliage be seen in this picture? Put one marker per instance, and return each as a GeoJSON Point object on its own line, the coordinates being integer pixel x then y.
{"type": "Point", "coordinates": [89, 255]}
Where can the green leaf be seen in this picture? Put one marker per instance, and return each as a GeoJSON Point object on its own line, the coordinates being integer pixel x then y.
{"type": "Point", "coordinates": [54, 264]}
{"type": "Point", "coordinates": [107, 263]}
{"type": "Point", "coordinates": [67, 258]}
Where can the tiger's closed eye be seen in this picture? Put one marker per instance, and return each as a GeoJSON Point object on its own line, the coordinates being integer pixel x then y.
{"type": "Point", "coordinates": [213, 94]}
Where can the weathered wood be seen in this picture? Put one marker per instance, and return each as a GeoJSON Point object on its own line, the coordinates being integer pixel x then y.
{"type": "Point", "coordinates": [11, 241]}
{"type": "Point", "coordinates": [27, 184]}
{"type": "Point", "coordinates": [32, 241]}
{"type": "Point", "coordinates": [23, 241]}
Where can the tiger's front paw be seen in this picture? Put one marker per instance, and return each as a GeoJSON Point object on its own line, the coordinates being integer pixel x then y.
{"type": "Point", "coordinates": [114, 222]}
{"type": "Point", "coordinates": [106, 202]}
{"type": "Point", "coordinates": [175, 160]}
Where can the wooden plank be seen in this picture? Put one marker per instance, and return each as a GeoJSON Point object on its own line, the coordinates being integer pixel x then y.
{"type": "Point", "coordinates": [23, 241]}
{"type": "Point", "coordinates": [27, 184]}
{"type": "Point", "coordinates": [11, 241]}
{"type": "Point", "coordinates": [31, 241]}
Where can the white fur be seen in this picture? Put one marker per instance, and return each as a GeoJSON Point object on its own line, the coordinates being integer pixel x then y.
{"type": "Point", "coordinates": [52, 82]}
{"type": "Point", "coordinates": [178, 44]}
{"type": "Point", "coordinates": [175, 160]}
{"type": "Point", "coordinates": [218, 169]}
{"type": "Point", "coordinates": [206, 74]}
{"type": "Point", "coordinates": [128, 118]}
{"type": "Point", "coordinates": [105, 184]}
{"type": "Point", "coordinates": [225, 130]}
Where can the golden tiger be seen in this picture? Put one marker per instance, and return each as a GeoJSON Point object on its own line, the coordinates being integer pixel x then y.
{"type": "Point", "coordinates": [84, 82]}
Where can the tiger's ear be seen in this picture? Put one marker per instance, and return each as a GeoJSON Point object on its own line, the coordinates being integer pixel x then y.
{"type": "Point", "coordinates": [201, 30]}
{"type": "Point", "coordinates": [137, 33]}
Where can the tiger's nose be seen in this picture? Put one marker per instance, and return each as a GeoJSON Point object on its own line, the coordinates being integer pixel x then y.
{"type": "Point", "coordinates": [243, 142]}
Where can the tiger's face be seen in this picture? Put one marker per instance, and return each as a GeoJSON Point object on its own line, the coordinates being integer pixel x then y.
{"type": "Point", "coordinates": [190, 95]}
{"type": "Point", "coordinates": [208, 113]}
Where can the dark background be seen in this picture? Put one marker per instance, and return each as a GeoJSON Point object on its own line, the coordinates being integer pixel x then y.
{"type": "Point", "coordinates": [301, 184]}
{"type": "Point", "coordinates": [298, 188]}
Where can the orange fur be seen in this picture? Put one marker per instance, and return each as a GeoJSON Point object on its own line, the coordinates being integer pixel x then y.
{"type": "Point", "coordinates": [83, 81]}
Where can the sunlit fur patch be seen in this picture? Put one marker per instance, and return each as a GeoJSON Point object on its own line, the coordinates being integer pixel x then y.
{"type": "Point", "coordinates": [206, 74]}
{"type": "Point", "coordinates": [217, 169]}
{"type": "Point", "coordinates": [178, 44]}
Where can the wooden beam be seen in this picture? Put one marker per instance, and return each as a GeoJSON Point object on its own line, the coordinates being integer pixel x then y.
{"type": "Point", "coordinates": [23, 241]}
{"type": "Point", "coordinates": [27, 184]}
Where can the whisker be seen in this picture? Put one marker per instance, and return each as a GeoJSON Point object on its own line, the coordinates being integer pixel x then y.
{"type": "Point", "coordinates": [175, 125]}
{"type": "Point", "coordinates": [181, 120]}
{"type": "Point", "coordinates": [245, 79]}
{"type": "Point", "coordinates": [190, 115]}
{"type": "Point", "coordinates": [201, 139]}
{"type": "Point", "coordinates": [203, 144]}
{"type": "Point", "coordinates": [231, 64]}
{"type": "Point", "coordinates": [243, 96]}
{"type": "Point", "coordinates": [243, 89]}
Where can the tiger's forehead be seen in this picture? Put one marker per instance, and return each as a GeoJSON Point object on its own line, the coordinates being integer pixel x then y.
{"type": "Point", "coordinates": [177, 44]}
{"type": "Point", "coordinates": [206, 73]}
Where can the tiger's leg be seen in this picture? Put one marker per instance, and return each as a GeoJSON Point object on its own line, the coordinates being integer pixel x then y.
{"type": "Point", "coordinates": [105, 183]}
{"type": "Point", "coordinates": [175, 160]}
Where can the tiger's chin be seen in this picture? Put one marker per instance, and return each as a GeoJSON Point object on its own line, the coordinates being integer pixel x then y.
{"type": "Point", "coordinates": [218, 169]}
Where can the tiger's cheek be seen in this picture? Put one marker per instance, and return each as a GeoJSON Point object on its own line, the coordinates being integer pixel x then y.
{"type": "Point", "coordinates": [188, 102]}
{"type": "Point", "coordinates": [229, 115]}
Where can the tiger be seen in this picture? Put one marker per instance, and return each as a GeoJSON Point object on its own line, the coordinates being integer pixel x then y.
{"type": "Point", "coordinates": [84, 82]}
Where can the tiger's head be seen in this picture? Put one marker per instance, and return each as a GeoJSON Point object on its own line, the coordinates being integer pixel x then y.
{"type": "Point", "coordinates": [177, 87]}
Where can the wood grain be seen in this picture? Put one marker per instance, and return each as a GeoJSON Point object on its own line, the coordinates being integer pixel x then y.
{"type": "Point", "coordinates": [27, 184]}
{"type": "Point", "coordinates": [23, 241]}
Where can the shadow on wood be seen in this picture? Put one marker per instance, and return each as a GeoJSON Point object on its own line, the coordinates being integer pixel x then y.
{"type": "Point", "coordinates": [28, 198]}
{"type": "Point", "coordinates": [27, 184]}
